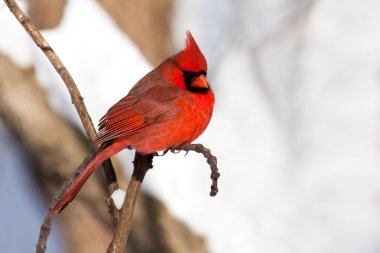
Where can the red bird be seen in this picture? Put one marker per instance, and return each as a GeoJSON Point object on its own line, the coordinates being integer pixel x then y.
{"type": "Point", "coordinates": [169, 106]}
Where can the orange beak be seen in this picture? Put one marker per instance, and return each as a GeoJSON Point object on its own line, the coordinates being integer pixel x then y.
{"type": "Point", "coordinates": [200, 82]}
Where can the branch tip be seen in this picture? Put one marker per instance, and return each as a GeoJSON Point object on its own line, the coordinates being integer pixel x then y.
{"type": "Point", "coordinates": [210, 158]}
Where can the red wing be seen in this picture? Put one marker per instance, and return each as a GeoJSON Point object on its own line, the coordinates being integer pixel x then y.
{"type": "Point", "coordinates": [132, 114]}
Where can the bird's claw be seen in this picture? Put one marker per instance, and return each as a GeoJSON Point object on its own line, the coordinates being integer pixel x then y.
{"type": "Point", "coordinates": [175, 151]}
{"type": "Point", "coordinates": [164, 152]}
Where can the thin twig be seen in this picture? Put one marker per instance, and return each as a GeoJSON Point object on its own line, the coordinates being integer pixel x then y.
{"type": "Point", "coordinates": [76, 99]}
{"type": "Point", "coordinates": [44, 233]}
{"type": "Point", "coordinates": [142, 164]}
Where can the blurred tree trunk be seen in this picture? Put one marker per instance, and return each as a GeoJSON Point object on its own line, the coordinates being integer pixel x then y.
{"type": "Point", "coordinates": [46, 14]}
{"type": "Point", "coordinates": [147, 23]}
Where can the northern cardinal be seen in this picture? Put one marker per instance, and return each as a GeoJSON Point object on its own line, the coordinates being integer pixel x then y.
{"type": "Point", "coordinates": [169, 106]}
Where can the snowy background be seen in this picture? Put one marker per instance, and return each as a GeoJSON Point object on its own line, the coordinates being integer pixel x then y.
{"type": "Point", "coordinates": [295, 128]}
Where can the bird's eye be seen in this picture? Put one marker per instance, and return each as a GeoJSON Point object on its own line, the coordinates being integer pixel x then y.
{"type": "Point", "coordinates": [187, 74]}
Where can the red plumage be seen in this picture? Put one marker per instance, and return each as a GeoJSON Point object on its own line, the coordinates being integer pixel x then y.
{"type": "Point", "coordinates": [171, 105]}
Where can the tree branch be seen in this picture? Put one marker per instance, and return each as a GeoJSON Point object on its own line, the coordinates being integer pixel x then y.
{"type": "Point", "coordinates": [76, 99]}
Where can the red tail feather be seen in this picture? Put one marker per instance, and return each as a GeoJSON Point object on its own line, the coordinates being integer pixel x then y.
{"type": "Point", "coordinates": [77, 184]}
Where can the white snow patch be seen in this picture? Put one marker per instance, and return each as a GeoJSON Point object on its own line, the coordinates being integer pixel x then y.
{"type": "Point", "coordinates": [118, 197]}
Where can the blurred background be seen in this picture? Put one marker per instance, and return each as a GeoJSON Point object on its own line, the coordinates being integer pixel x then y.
{"type": "Point", "coordinates": [295, 126]}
